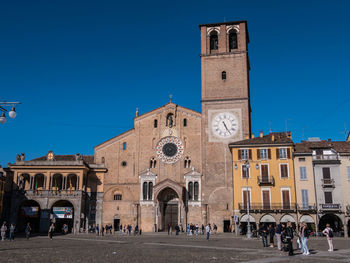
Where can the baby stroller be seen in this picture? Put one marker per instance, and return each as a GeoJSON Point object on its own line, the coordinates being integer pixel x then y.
{"type": "Point", "coordinates": [284, 243]}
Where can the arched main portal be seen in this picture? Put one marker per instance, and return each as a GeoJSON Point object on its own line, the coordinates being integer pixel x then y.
{"type": "Point", "coordinates": [168, 201]}
{"type": "Point", "coordinates": [29, 212]}
{"type": "Point", "coordinates": [333, 220]}
{"type": "Point", "coordinates": [62, 213]}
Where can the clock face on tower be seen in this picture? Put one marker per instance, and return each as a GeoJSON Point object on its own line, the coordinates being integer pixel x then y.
{"type": "Point", "coordinates": [224, 125]}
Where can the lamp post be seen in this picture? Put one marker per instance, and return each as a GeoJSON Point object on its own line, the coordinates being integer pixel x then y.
{"type": "Point", "coordinates": [246, 167]}
{"type": "Point", "coordinates": [12, 113]}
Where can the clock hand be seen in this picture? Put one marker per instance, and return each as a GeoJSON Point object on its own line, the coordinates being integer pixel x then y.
{"type": "Point", "coordinates": [226, 127]}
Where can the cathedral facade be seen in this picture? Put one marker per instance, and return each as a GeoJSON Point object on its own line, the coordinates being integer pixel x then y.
{"type": "Point", "coordinates": [175, 167]}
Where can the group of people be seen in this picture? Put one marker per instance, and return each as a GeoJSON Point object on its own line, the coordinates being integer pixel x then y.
{"type": "Point", "coordinates": [285, 234]}
{"type": "Point", "coordinates": [101, 231]}
{"type": "Point", "coordinates": [5, 231]}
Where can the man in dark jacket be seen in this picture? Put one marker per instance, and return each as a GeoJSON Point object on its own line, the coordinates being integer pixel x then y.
{"type": "Point", "coordinates": [289, 236]}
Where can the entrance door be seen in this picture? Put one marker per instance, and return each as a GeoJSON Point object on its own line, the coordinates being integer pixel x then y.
{"type": "Point", "coordinates": [116, 224]}
{"type": "Point", "coordinates": [227, 224]}
{"type": "Point", "coordinates": [170, 216]}
{"type": "Point", "coordinates": [168, 206]}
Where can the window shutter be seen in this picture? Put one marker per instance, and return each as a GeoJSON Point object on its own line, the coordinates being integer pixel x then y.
{"type": "Point", "coordinates": [326, 173]}
{"type": "Point", "coordinates": [288, 153]}
{"type": "Point", "coordinates": [277, 153]}
{"type": "Point", "coordinates": [250, 154]}
{"type": "Point", "coordinates": [269, 153]}
{"type": "Point", "coordinates": [305, 198]}
{"type": "Point", "coordinates": [239, 154]}
{"type": "Point", "coordinates": [258, 153]}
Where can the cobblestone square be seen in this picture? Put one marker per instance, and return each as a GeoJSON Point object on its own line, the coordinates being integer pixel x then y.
{"type": "Point", "coordinates": [162, 248]}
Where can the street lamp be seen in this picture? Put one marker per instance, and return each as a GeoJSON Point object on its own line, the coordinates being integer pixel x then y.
{"type": "Point", "coordinates": [246, 167]}
{"type": "Point", "coordinates": [12, 113]}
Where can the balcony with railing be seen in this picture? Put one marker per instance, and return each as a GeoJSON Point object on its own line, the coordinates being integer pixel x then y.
{"type": "Point", "coordinates": [53, 193]}
{"type": "Point", "coordinates": [307, 208]}
{"type": "Point", "coordinates": [266, 180]}
{"type": "Point", "coordinates": [330, 207]}
{"type": "Point", "coordinates": [325, 158]}
{"type": "Point", "coordinates": [328, 183]}
{"type": "Point", "coordinates": [267, 207]}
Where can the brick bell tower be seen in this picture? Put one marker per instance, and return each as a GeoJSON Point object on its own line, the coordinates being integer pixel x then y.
{"type": "Point", "coordinates": [225, 111]}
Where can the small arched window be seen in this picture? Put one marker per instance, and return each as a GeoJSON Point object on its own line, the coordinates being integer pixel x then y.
{"type": "Point", "coordinates": [150, 190]}
{"type": "Point", "coordinates": [102, 160]}
{"type": "Point", "coordinates": [152, 163]}
{"type": "Point", "coordinates": [190, 190]}
{"type": "Point", "coordinates": [124, 146]}
{"type": "Point", "coordinates": [223, 75]}
{"type": "Point", "coordinates": [187, 162]}
{"type": "Point", "coordinates": [232, 38]}
{"type": "Point", "coordinates": [185, 122]}
{"type": "Point", "coordinates": [155, 124]}
{"type": "Point", "coordinates": [144, 191]}
{"type": "Point", "coordinates": [196, 191]}
{"type": "Point", "coordinates": [214, 40]}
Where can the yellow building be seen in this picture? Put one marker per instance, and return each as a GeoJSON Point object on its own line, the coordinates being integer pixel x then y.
{"type": "Point", "coordinates": [263, 176]}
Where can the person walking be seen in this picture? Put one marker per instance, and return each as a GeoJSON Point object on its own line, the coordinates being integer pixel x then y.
{"type": "Point", "coordinates": [263, 234]}
{"type": "Point", "coordinates": [272, 235]}
{"type": "Point", "coordinates": [27, 230]}
{"type": "Point", "coordinates": [121, 229]}
{"type": "Point", "coordinates": [102, 230]}
{"type": "Point", "coordinates": [51, 230]}
{"type": "Point", "coordinates": [299, 242]}
{"type": "Point", "coordinates": [177, 230]}
{"type": "Point", "coordinates": [3, 231]}
{"type": "Point", "coordinates": [97, 229]}
{"type": "Point", "coordinates": [328, 231]}
{"type": "Point", "coordinates": [12, 232]}
{"type": "Point", "coordinates": [207, 229]}
{"type": "Point", "coordinates": [289, 236]}
{"type": "Point", "coordinates": [197, 228]}
{"type": "Point", "coordinates": [278, 233]}
{"type": "Point", "coordinates": [305, 233]}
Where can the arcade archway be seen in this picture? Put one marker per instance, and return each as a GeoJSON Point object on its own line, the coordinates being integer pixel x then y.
{"type": "Point", "coordinates": [62, 213]}
{"type": "Point", "coordinates": [28, 212]}
{"type": "Point", "coordinates": [168, 201]}
{"type": "Point", "coordinates": [334, 221]}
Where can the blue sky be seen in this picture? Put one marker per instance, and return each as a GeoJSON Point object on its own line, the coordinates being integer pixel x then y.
{"type": "Point", "coordinates": [80, 68]}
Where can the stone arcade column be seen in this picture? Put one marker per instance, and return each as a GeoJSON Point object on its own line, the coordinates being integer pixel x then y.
{"type": "Point", "coordinates": [76, 219]}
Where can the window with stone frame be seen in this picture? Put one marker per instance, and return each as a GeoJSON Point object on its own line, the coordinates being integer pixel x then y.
{"type": "Point", "coordinates": [244, 154]}
{"type": "Point", "coordinates": [195, 191]}
{"type": "Point", "coordinates": [190, 190]}
{"type": "Point", "coordinates": [284, 171]}
{"type": "Point", "coordinates": [283, 153]}
{"type": "Point", "coordinates": [144, 191]}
